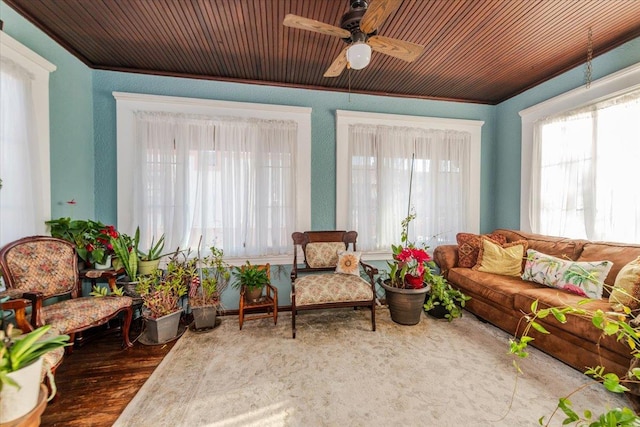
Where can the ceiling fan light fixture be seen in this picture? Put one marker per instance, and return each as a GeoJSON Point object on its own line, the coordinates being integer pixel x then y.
{"type": "Point", "coordinates": [359, 55]}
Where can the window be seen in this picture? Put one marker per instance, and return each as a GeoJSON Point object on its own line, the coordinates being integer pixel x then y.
{"type": "Point", "coordinates": [25, 199]}
{"type": "Point", "coordinates": [232, 174]}
{"type": "Point", "coordinates": [378, 156]}
{"type": "Point", "coordinates": [579, 153]}
{"type": "Point", "coordinates": [584, 171]}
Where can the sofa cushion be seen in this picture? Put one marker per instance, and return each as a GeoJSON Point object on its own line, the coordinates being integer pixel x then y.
{"type": "Point", "coordinates": [560, 247]}
{"type": "Point", "coordinates": [505, 259]}
{"type": "Point", "coordinates": [469, 245]}
{"type": "Point", "coordinates": [619, 253]}
{"type": "Point", "coordinates": [626, 290]}
{"type": "Point", "coordinates": [579, 326]}
{"type": "Point", "coordinates": [581, 278]}
{"type": "Point", "coordinates": [496, 288]}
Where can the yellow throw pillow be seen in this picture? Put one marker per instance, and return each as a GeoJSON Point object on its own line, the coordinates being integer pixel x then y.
{"type": "Point", "coordinates": [626, 289]}
{"type": "Point", "coordinates": [505, 259]}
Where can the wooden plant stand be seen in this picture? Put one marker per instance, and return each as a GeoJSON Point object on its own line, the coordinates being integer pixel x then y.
{"type": "Point", "coordinates": [268, 302]}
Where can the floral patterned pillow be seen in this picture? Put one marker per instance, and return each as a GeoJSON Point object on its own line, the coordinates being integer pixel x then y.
{"type": "Point", "coordinates": [323, 254]}
{"type": "Point", "coordinates": [348, 262]}
{"type": "Point", "coordinates": [582, 278]}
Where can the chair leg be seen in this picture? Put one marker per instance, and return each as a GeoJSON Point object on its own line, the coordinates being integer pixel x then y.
{"type": "Point", "coordinates": [373, 316]}
{"type": "Point", "coordinates": [293, 321]}
{"type": "Point", "coordinates": [128, 315]}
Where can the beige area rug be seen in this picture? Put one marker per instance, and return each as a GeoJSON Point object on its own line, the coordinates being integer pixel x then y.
{"type": "Point", "coordinates": [337, 372]}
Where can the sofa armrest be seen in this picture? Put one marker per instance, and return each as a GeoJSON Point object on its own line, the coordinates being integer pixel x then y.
{"type": "Point", "coordinates": [446, 256]}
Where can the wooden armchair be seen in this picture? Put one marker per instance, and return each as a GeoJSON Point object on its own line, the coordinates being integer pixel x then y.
{"type": "Point", "coordinates": [41, 267]}
{"type": "Point", "coordinates": [330, 277]}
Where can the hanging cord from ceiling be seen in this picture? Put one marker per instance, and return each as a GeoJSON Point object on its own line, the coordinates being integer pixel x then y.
{"type": "Point", "coordinates": [588, 66]}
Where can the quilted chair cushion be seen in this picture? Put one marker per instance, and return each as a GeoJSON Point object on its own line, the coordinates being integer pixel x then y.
{"type": "Point", "coordinates": [78, 314]}
{"type": "Point", "coordinates": [323, 254]}
{"type": "Point", "coordinates": [43, 266]}
{"type": "Point", "coordinates": [331, 287]}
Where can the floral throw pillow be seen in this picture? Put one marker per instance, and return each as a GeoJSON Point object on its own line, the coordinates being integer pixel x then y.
{"type": "Point", "coordinates": [348, 262]}
{"type": "Point", "coordinates": [582, 278]}
{"type": "Point", "coordinates": [469, 247]}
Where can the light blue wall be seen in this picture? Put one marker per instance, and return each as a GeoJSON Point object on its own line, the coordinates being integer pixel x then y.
{"type": "Point", "coordinates": [71, 116]}
{"type": "Point", "coordinates": [323, 104]}
{"type": "Point", "coordinates": [509, 130]}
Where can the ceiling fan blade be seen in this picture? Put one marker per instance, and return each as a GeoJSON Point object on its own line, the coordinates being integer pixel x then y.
{"type": "Point", "coordinates": [376, 13]}
{"type": "Point", "coordinates": [339, 64]}
{"type": "Point", "coordinates": [401, 49]}
{"type": "Point", "coordinates": [296, 21]}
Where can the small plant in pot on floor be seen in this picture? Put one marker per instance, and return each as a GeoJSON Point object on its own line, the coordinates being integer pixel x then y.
{"type": "Point", "coordinates": [444, 301]}
{"type": "Point", "coordinates": [206, 288]}
{"type": "Point", "coordinates": [251, 280]}
{"type": "Point", "coordinates": [161, 293]}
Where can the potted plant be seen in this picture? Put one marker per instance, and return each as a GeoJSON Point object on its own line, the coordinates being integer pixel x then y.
{"type": "Point", "coordinates": [21, 367]}
{"type": "Point", "coordinates": [124, 249]}
{"type": "Point", "coordinates": [444, 301]}
{"type": "Point", "coordinates": [161, 293]}
{"type": "Point", "coordinates": [91, 238]}
{"type": "Point", "coordinates": [149, 261]}
{"type": "Point", "coordinates": [253, 278]}
{"type": "Point", "coordinates": [205, 288]}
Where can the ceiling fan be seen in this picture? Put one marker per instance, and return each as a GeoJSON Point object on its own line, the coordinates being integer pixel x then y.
{"type": "Point", "coordinates": [359, 28]}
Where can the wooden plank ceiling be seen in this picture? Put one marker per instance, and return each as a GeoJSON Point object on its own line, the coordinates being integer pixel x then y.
{"type": "Point", "coordinates": [483, 51]}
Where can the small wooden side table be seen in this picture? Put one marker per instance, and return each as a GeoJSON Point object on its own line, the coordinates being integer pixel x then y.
{"type": "Point", "coordinates": [269, 301]}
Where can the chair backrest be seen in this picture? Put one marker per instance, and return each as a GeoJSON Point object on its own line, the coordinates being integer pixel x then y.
{"type": "Point", "coordinates": [40, 264]}
{"type": "Point", "coordinates": [320, 248]}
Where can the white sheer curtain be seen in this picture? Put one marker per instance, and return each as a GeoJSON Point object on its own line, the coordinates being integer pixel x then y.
{"type": "Point", "coordinates": [229, 180]}
{"type": "Point", "coordinates": [584, 172]}
{"type": "Point", "coordinates": [381, 158]}
{"type": "Point", "coordinates": [21, 193]}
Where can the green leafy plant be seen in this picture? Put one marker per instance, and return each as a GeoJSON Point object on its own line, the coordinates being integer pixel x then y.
{"type": "Point", "coordinates": [124, 248]}
{"type": "Point", "coordinates": [444, 295]}
{"type": "Point", "coordinates": [155, 249]}
{"type": "Point", "coordinates": [251, 276]}
{"type": "Point", "coordinates": [16, 353]}
{"type": "Point", "coordinates": [91, 238]}
{"type": "Point", "coordinates": [161, 291]}
{"type": "Point", "coordinates": [213, 277]}
{"type": "Point", "coordinates": [102, 291]}
{"type": "Point", "coordinates": [610, 324]}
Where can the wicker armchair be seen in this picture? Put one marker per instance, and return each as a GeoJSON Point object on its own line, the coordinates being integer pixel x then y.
{"type": "Point", "coordinates": [317, 285]}
{"type": "Point", "coordinates": [41, 267]}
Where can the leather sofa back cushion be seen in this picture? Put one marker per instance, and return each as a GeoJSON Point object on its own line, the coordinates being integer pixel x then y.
{"type": "Point", "coordinates": [560, 247]}
{"type": "Point", "coordinates": [619, 253]}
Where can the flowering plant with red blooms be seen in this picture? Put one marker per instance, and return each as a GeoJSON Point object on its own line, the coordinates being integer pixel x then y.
{"type": "Point", "coordinates": [411, 266]}
{"type": "Point", "coordinates": [91, 238]}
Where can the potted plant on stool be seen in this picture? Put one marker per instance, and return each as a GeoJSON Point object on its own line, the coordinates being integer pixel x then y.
{"type": "Point", "coordinates": [251, 280]}
{"type": "Point", "coordinates": [206, 287]}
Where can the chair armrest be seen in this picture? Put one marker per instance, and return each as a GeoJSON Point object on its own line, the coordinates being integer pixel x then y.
{"type": "Point", "coordinates": [36, 299]}
{"type": "Point", "coordinates": [446, 256]}
{"type": "Point", "coordinates": [369, 271]}
{"type": "Point", "coordinates": [18, 306]}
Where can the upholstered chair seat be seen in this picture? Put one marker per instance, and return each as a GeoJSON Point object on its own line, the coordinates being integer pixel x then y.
{"type": "Point", "coordinates": [331, 287]}
{"type": "Point", "coordinates": [75, 314]}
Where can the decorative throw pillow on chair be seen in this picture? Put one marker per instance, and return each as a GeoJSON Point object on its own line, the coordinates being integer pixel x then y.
{"type": "Point", "coordinates": [348, 262]}
{"type": "Point", "coordinates": [581, 278]}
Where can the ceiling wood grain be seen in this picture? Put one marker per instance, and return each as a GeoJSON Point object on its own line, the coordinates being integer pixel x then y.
{"type": "Point", "coordinates": [482, 51]}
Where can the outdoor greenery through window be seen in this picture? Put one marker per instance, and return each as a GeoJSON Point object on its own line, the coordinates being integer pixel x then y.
{"type": "Point", "coordinates": [584, 179]}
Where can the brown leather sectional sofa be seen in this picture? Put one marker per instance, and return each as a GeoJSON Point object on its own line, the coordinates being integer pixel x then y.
{"type": "Point", "coordinates": [502, 300]}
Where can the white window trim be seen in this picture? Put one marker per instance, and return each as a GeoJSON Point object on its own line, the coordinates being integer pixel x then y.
{"type": "Point", "coordinates": [346, 118]}
{"type": "Point", "coordinates": [610, 86]}
{"type": "Point", "coordinates": [40, 68]}
{"type": "Point", "coordinates": [128, 103]}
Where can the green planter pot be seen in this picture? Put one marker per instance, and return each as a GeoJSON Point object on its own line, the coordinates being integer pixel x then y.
{"type": "Point", "coordinates": [405, 305]}
{"type": "Point", "coordinates": [148, 267]}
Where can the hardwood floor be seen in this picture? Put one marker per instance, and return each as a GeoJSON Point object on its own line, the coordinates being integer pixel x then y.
{"type": "Point", "coordinates": [97, 381]}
